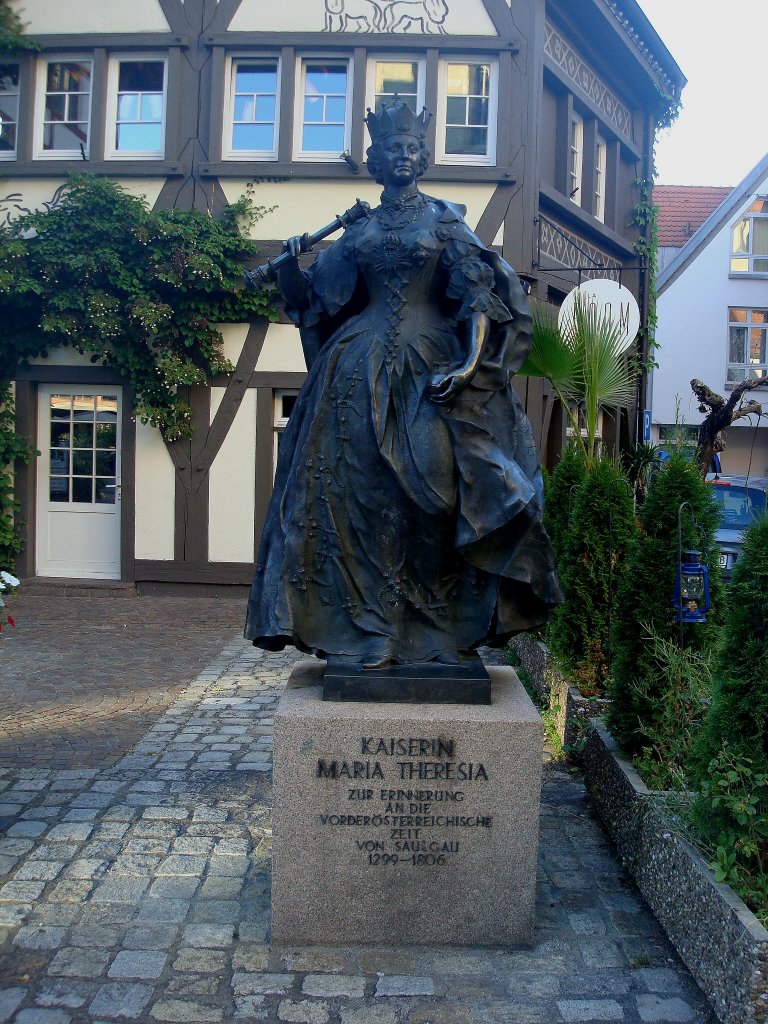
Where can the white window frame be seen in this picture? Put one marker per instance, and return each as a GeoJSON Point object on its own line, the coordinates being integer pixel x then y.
{"type": "Point", "coordinates": [227, 149]}
{"type": "Point", "coordinates": [41, 82]}
{"type": "Point", "coordinates": [601, 164]}
{"type": "Point", "coordinates": [320, 156]}
{"type": "Point", "coordinates": [111, 152]}
{"type": "Point", "coordinates": [11, 154]}
{"type": "Point", "coordinates": [395, 58]}
{"type": "Point", "coordinates": [466, 159]}
{"type": "Point", "coordinates": [751, 256]}
{"type": "Point", "coordinates": [575, 178]}
{"type": "Point", "coordinates": [748, 366]}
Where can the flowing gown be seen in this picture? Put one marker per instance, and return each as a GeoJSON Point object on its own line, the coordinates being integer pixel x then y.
{"type": "Point", "coordinates": [400, 528]}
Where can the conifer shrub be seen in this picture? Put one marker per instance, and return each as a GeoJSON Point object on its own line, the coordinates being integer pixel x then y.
{"type": "Point", "coordinates": [559, 492]}
{"type": "Point", "coordinates": [591, 562]}
{"type": "Point", "coordinates": [738, 714]}
{"type": "Point", "coordinates": [645, 597]}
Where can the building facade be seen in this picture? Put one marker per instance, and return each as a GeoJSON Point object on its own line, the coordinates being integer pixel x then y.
{"type": "Point", "coordinates": [712, 312]}
{"type": "Point", "coordinates": [544, 121]}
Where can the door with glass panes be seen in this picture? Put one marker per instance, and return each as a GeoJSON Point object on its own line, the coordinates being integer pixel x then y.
{"type": "Point", "coordinates": [78, 487]}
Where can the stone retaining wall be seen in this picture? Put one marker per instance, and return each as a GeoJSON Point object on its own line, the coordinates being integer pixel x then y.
{"type": "Point", "coordinates": [719, 939]}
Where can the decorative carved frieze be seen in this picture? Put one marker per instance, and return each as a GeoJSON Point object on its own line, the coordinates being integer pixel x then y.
{"type": "Point", "coordinates": [558, 244]}
{"type": "Point", "coordinates": [581, 74]}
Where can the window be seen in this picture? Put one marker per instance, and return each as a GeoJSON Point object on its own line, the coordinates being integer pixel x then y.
{"type": "Point", "coordinates": [467, 112]}
{"type": "Point", "coordinates": [64, 108]}
{"type": "Point", "coordinates": [601, 153]}
{"type": "Point", "coordinates": [403, 78]}
{"type": "Point", "coordinates": [747, 336]}
{"type": "Point", "coordinates": [322, 122]}
{"type": "Point", "coordinates": [9, 109]}
{"type": "Point", "coordinates": [750, 241]}
{"type": "Point", "coordinates": [575, 157]}
{"type": "Point", "coordinates": [254, 109]}
{"type": "Point", "coordinates": [284, 403]}
{"type": "Point", "coordinates": [83, 453]}
{"type": "Point", "coordinates": [137, 108]}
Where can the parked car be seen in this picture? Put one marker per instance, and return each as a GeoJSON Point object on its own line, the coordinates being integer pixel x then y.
{"type": "Point", "coordinates": [742, 499]}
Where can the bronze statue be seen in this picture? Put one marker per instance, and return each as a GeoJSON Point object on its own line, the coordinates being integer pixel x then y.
{"type": "Point", "coordinates": [405, 524]}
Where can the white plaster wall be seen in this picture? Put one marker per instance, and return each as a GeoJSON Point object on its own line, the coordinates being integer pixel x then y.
{"type": "Point", "coordinates": [232, 483]}
{"type": "Point", "coordinates": [463, 17]}
{"type": "Point", "coordinates": [68, 16]}
{"type": "Point", "coordinates": [693, 328]}
{"type": "Point", "coordinates": [298, 206]}
{"type": "Point", "coordinates": [155, 495]}
{"type": "Point", "coordinates": [282, 350]}
{"type": "Point", "coordinates": [20, 195]}
{"type": "Point", "coordinates": [234, 336]}
{"type": "Point", "coordinates": [64, 357]}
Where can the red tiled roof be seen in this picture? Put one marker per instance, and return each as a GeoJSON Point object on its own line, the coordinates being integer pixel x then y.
{"type": "Point", "coordinates": [684, 208]}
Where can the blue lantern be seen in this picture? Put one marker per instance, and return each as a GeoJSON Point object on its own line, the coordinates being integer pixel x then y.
{"type": "Point", "coordinates": [691, 598]}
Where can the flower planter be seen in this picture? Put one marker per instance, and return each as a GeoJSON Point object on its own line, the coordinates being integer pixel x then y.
{"type": "Point", "coordinates": [718, 938]}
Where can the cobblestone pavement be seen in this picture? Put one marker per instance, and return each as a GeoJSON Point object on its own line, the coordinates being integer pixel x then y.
{"type": "Point", "coordinates": [139, 892]}
{"type": "Point", "coordinates": [83, 678]}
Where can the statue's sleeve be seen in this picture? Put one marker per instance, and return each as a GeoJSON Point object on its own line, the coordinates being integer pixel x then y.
{"type": "Point", "coordinates": [472, 283]}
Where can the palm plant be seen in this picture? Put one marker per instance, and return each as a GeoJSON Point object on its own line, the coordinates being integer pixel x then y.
{"type": "Point", "coordinates": [585, 361]}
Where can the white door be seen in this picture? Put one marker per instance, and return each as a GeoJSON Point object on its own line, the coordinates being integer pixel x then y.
{"type": "Point", "coordinates": [78, 485]}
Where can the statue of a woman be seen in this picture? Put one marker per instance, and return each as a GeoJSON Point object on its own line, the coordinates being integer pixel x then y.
{"type": "Point", "coordinates": [405, 524]}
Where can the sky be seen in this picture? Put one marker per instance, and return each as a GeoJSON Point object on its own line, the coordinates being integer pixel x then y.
{"type": "Point", "coordinates": [722, 131]}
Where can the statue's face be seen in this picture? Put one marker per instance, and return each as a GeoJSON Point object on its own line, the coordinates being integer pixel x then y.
{"type": "Point", "coordinates": [400, 156]}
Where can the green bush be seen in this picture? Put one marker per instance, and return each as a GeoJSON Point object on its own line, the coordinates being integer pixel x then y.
{"type": "Point", "coordinates": [558, 496]}
{"type": "Point", "coordinates": [645, 596]}
{"type": "Point", "coordinates": [738, 715]}
{"type": "Point", "coordinates": [13, 450]}
{"type": "Point", "coordinates": [601, 525]}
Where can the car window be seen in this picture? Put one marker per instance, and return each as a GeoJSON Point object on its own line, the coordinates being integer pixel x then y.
{"type": "Point", "coordinates": [741, 505]}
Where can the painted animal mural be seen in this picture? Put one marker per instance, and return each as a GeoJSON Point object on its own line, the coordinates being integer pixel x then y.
{"type": "Point", "coordinates": [425, 16]}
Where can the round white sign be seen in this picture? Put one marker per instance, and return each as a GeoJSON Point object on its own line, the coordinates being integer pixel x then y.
{"type": "Point", "coordinates": [610, 298]}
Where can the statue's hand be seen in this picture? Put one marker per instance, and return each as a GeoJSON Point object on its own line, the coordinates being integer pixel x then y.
{"type": "Point", "coordinates": [297, 244]}
{"type": "Point", "coordinates": [444, 390]}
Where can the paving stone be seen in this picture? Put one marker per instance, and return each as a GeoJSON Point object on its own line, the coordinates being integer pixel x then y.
{"type": "Point", "coordinates": [183, 865]}
{"type": "Point", "coordinates": [247, 957]}
{"type": "Point", "coordinates": [69, 832]}
{"type": "Point", "coordinates": [216, 911]}
{"type": "Point", "coordinates": [173, 887]}
{"type": "Point", "coordinates": [134, 864]}
{"type": "Point", "coordinates": [78, 963]}
{"type": "Point", "coordinates": [100, 935]}
{"type": "Point", "coordinates": [233, 866]}
{"type": "Point", "coordinates": [128, 889]}
{"type": "Point", "coordinates": [532, 984]}
{"type": "Point", "coordinates": [58, 914]}
{"type": "Point", "coordinates": [404, 985]}
{"type": "Point", "coordinates": [162, 911]}
{"type": "Point", "coordinates": [657, 979]}
{"type": "Point", "coordinates": [14, 891]}
{"type": "Point", "coordinates": [250, 1008]}
{"type": "Point", "coordinates": [10, 1000]}
{"type": "Point", "coordinates": [71, 890]}
{"type": "Point", "coordinates": [221, 887]}
{"type": "Point", "coordinates": [423, 1013]}
{"type": "Point", "coordinates": [191, 986]}
{"type": "Point", "coordinates": [262, 984]}
{"type": "Point", "coordinates": [87, 868]}
{"type": "Point", "coordinates": [36, 1015]}
{"type": "Point", "coordinates": [39, 937]}
{"type": "Point", "coordinates": [303, 1011]}
{"type": "Point", "coordinates": [181, 1011]}
{"type": "Point", "coordinates": [120, 999]}
{"type": "Point", "coordinates": [160, 936]}
{"type": "Point", "coordinates": [12, 914]}
{"type": "Point", "coordinates": [333, 985]}
{"type": "Point", "coordinates": [72, 994]}
{"type": "Point", "coordinates": [40, 870]}
{"type": "Point", "coordinates": [15, 848]}
{"type": "Point", "coordinates": [378, 1015]}
{"type": "Point", "coordinates": [590, 1009]}
{"type": "Point", "coordinates": [653, 1008]}
{"type": "Point", "coordinates": [28, 829]}
{"type": "Point", "coordinates": [137, 964]}
{"type": "Point", "coordinates": [202, 961]}
{"type": "Point", "coordinates": [214, 936]}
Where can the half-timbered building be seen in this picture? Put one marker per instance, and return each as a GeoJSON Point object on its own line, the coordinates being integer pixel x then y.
{"type": "Point", "coordinates": [545, 112]}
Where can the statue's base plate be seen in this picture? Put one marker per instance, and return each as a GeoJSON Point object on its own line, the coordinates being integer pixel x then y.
{"type": "Point", "coordinates": [466, 682]}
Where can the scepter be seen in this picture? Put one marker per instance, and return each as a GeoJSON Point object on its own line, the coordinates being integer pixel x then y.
{"type": "Point", "coordinates": [267, 272]}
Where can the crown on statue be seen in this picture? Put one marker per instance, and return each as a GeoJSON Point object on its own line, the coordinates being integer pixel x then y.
{"type": "Point", "coordinates": [397, 118]}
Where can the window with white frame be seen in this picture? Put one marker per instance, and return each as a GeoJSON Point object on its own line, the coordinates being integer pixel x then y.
{"type": "Point", "coordinates": [467, 112]}
{"type": "Point", "coordinates": [251, 132]}
{"type": "Point", "coordinates": [575, 157]}
{"type": "Point", "coordinates": [403, 77]}
{"type": "Point", "coordinates": [747, 340]}
{"type": "Point", "coordinates": [324, 104]}
{"type": "Point", "coordinates": [63, 111]}
{"type": "Point", "coordinates": [284, 403]}
{"type": "Point", "coordinates": [601, 156]}
{"type": "Point", "coordinates": [9, 110]}
{"type": "Point", "coordinates": [136, 111]}
{"type": "Point", "coordinates": [749, 254]}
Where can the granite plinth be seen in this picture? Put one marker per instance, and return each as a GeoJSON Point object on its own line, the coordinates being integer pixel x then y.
{"type": "Point", "coordinates": [466, 682]}
{"type": "Point", "coordinates": [405, 823]}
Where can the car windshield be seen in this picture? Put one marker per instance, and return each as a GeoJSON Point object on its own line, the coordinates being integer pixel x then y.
{"type": "Point", "coordinates": [741, 505]}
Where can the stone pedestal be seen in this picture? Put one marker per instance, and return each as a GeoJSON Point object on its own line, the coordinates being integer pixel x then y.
{"type": "Point", "coordinates": [405, 823]}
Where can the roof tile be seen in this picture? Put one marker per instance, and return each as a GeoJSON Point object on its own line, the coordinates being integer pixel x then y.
{"type": "Point", "coordinates": [684, 208]}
